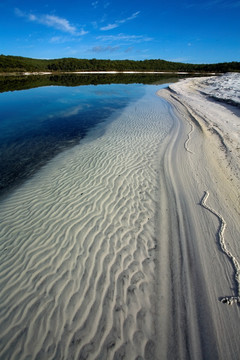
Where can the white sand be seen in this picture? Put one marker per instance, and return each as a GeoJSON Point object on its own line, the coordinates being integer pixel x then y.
{"type": "Point", "coordinates": [78, 246]}
{"type": "Point", "coordinates": [123, 247]}
{"type": "Point", "coordinates": [199, 225]}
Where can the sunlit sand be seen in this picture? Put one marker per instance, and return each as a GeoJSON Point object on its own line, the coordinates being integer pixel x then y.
{"type": "Point", "coordinates": [127, 245]}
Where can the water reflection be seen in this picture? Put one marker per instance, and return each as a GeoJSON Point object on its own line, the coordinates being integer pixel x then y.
{"type": "Point", "coordinates": [40, 120]}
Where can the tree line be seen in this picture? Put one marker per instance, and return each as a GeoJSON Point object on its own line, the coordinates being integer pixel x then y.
{"type": "Point", "coordinates": [23, 64]}
{"type": "Point", "coordinates": [21, 82]}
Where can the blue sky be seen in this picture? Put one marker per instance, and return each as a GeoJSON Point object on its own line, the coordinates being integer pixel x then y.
{"type": "Point", "coordinates": [194, 31]}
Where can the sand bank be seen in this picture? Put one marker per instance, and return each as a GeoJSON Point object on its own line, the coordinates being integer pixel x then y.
{"type": "Point", "coordinates": [199, 213]}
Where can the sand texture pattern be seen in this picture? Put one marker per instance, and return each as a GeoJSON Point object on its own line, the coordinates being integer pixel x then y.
{"type": "Point", "coordinates": [199, 227]}
{"type": "Point", "coordinates": [78, 246]}
{"type": "Point", "coordinates": [127, 246]}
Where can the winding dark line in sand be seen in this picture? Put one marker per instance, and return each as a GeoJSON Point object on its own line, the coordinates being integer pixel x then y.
{"type": "Point", "coordinates": [189, 122]}
{"type": "Point", "coordinates": [189, 138]}
{"type": "Point", "coordinates": [228, 299]}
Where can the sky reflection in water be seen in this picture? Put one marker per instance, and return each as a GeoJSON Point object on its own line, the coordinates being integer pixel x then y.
{"type": "Point", "coordinates": [37, 124]}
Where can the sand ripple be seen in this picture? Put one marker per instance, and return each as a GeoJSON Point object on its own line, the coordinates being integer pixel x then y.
{"type": "Point", "coordinates": [77, 247]}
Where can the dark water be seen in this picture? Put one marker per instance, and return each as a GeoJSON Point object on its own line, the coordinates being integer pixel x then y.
{"type": "Point", "coordinates": [39, 122]}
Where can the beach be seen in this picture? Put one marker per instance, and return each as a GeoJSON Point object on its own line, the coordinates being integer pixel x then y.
{"type": "Point", "coordinates": [126, 246]}
{"type": "Point", "coordinates": [199, 271]}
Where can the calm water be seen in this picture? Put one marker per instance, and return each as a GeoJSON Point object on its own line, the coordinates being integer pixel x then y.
{"type": "Point", "coordinates": [38, 123]}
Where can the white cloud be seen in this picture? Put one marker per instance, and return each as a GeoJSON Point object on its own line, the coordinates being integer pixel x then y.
{"type": "Point", "coordinates": [53, 21]}
{"type": "Point", "coordinates": [109, 27]}
{"type": "Point", "coordinates": [57, 23]}
{"type": "Point", "coordinates": [124, 38]}
{"type": "Point", "coordinates": [105, 48]}
{"type": "Point", "coordinates": [32, 17]}
{"type": "Point", "coordinates": [119, 22]}
{"type": "Point", "coordinates": [133, 16]}
{"type": "Point", "coordinates": [61, 39]}
{"type": "Point", "coordinates": [82, 32]}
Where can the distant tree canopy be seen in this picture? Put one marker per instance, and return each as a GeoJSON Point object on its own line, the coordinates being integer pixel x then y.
{"type": "Point", "coordinates": [13, 82]}
{"type": "Point", "coordinates": [22, 64]}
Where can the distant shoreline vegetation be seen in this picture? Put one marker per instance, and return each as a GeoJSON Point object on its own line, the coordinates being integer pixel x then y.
{"type": "Point", "coordinates": [18, 64]}
{"type": "Point", "coordinates": [22, 82]}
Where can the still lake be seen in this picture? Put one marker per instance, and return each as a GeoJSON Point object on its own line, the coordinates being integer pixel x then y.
{"type": "Point", "coordinates": [42, 116]}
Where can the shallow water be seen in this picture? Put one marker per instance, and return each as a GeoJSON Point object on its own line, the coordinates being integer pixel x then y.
{"type": "Point", "coordinates": [36, 124]}
{"type": "Point", "coordinates": [77, 242]}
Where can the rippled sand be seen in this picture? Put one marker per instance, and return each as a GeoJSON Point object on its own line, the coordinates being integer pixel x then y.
{"type": "Point", "coordinates": [78, 246]}
{"type": "Point", "coordinates": [127, 245]}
